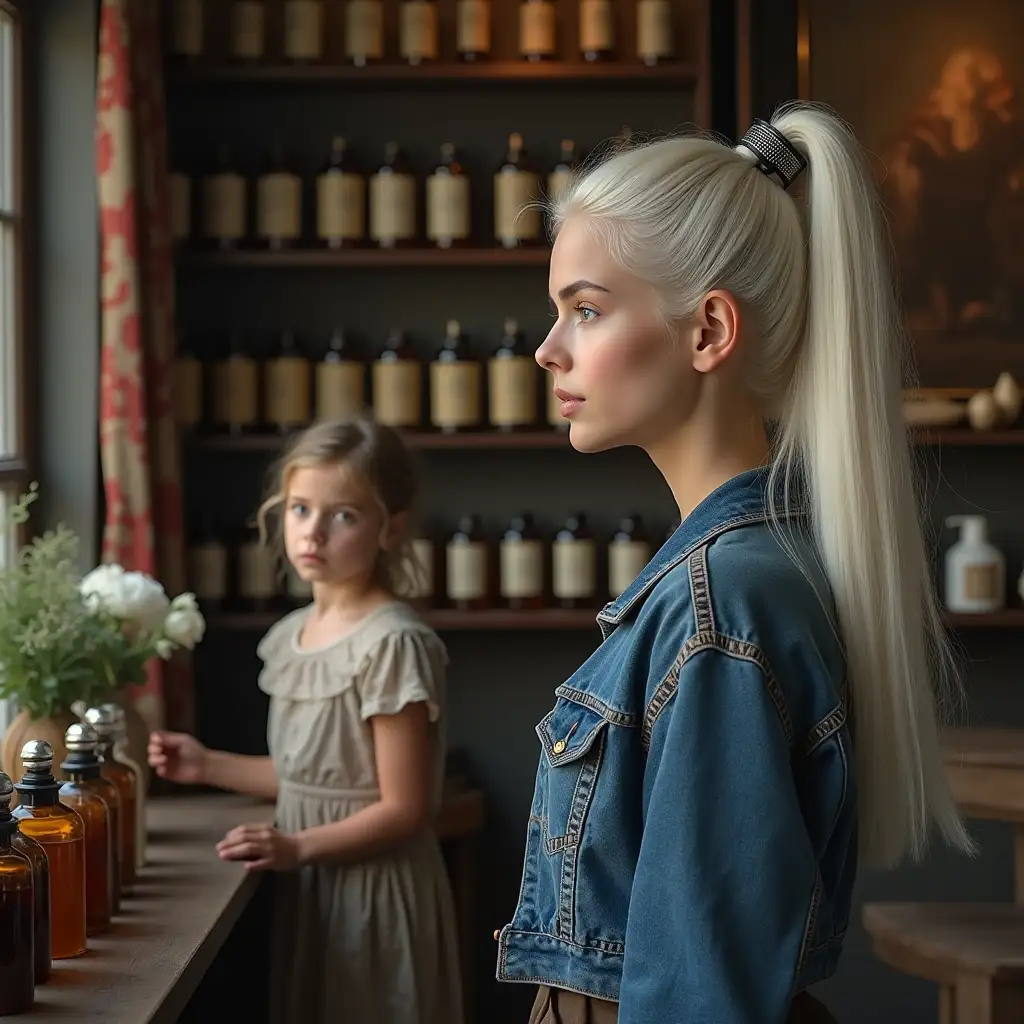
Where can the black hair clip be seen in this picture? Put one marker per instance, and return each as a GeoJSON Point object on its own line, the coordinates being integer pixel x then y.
{"type": "Point", "coordinates": [776, 155]}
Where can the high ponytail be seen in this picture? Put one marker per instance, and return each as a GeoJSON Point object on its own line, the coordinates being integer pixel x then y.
{"type": "Point", "coordinates": [813, 265]}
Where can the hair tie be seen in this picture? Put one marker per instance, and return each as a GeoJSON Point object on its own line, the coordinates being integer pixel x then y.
{"type": "Point", "coordinates": [776, 155]}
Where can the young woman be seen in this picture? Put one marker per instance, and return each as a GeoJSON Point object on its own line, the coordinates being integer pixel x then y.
{"type": "Point", "coordinates": [761, 713]}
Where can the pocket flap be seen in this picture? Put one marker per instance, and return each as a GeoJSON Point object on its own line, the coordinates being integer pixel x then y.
{"type": "Point", "coordinates": [568, 731]}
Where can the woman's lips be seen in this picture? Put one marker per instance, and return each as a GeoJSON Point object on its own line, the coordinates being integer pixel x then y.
{"type": "Point", "coordinates": [571, 404]}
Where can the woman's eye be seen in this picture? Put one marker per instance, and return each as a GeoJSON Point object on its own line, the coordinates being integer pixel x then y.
{"type": "Point", "coordinates": [343, 517]}
{"type": "Point", "coordinates": [586, 313]}
{"type": "Point", "coordinates": [299, 509]}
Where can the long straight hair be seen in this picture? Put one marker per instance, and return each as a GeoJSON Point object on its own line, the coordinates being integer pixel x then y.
{"type": "Point", "coordinates": [814, 267]}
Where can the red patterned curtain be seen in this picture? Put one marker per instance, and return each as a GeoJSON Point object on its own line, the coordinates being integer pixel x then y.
{"type": "Point", "coordinates": [138, 437]}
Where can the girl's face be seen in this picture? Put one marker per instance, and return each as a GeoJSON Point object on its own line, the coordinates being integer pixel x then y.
{"type": "Point", "coordinates": [334, 528]}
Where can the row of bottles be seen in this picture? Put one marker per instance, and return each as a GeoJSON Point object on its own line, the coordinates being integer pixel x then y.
{"type": "Point", "coordinates": [458, 390]}
{"type": "Point", "coordinates": [67, 853]}
{"type": "Point", "coordinates": [522, 568]}
{"type": "Point", "coordinates": [360, 26]}
{"type": "Point", "coordinates": [352, 208]}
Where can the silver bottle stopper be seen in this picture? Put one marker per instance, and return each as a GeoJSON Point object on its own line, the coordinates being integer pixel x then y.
{"type": "Point", "coordinates": [81, 738]}
{"type": "Point", "coordinates": [6, 792]}
{"type": "Point", "coordinates": [37, 756]}
{"type": "Point", "coordinates": [102, 720]}
{"type": "Point", "coordinates": [117, 713]}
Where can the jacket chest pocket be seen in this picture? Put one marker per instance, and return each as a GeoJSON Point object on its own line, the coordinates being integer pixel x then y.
{"type": "Point", "coordinates": [573, 739]}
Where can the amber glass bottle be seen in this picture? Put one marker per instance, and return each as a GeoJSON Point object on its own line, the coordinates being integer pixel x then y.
{"type": "Point", "coordinates": [467, 569]}
{"type": "Point", "coordinates": [60, 831]}
{"type": "Point", "coordinates": [117, 772]}
{"type": "Point", "coordinates": [521, 564]}
{"type": "Point", "coordinates": [17, 914]}
{"type": "Point", "coordinates": [41, 899]}
{"type": "Point", "coordinates": [89, 794]}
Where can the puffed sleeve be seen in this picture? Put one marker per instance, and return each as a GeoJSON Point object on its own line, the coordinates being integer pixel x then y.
{"type": "Point", "coordinates": [405, 667]}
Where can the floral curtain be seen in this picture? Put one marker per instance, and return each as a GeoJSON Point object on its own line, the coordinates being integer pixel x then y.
{"type": "Point", "coordinates": [138, 438]}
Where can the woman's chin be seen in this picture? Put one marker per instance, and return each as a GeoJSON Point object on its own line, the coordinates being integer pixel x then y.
{"type": "Point", "coordinates": [586, 438]}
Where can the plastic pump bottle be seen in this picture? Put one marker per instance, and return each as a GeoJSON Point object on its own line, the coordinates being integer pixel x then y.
{"type": "Point", "coordinates": [975, 569]}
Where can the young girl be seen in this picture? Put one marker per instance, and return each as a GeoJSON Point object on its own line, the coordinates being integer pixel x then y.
{"type": "Point", "coordinates": [760, 713]}
{"type": "Point", "coordinates": [366, 926]}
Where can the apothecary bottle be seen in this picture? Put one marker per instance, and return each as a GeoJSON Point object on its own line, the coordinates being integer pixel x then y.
{"type": "Point", "coordinates": [36, 856]}
{"type": "Point", "coordinates": [466, 566]}
{"type": "Point", "coordinates": [206, 563]}
{"type": "Point", "coordinates": [654, 42]}
{"type": "Point", "coordinates": [393, 201]}
{"type": "Point", "coordinates": [561, 175]}
{"type": "Point", "coordinates": [188, 385]}
{"type": "Point", "coordinates": [456, 383]}
{"type": "Point", "coordinates": [340, 379]}
{"type": "Point", "coordinates": [628, 553]}
{"type": "Point", "coordinates": [235, 387]}
{"type": "Point", "coordinates": [141, 778]}
{"type": "Point", "coordinates": [473, 29]}
{"type": "Point", "coordinates": [574, 564]}
{"type": "Point", "coordinates": [597, 29]}
{"type": "Point", "coordinates": [521, 564]}
{"type": "Point", "coordinates": [397, 379]}
{"type": "Point", "coordinates": [92, 802]}
{"type": "Point", "coordinates": [17, 915]}
{"type": "Point", "coordinates": [303, 30]}
{"type": "Point", "coordinates": [187, 29]}
{"type": "Point", "coordinates": [278, 203]}
{"type": "Point", "coordinates": [61, 833]}
{"type": "Point", "coordinates": [537, 29]}
{"type": "Point", "coordinates": [364, 31]}
{"type": "Point", "coordinates": [512, 382]}
{"type": "Point", "coordinates": [340, 199]}
{"type": "Point", "coordinates": [223, 199]}
{"type": "Point", "coordinates": [287, 385]}
{"type": "Point", "coordinates": [247, 30]}
{"type": "Point", "coordinates": [448, 201]}
{"type": "Point", "coordinates": [517, 219]}
{"type": "Point", "coordinates": [417, 31]}
{"type": "Point", "coordinates": [257, 572]}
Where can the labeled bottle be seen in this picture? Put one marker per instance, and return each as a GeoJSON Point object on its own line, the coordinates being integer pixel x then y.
{"type": "Point", "coordinates": [247, 30]}
{"type": "Point", "coordinates": [340, 380]}
{"type": "Point", "coordinates": [17, 915]}
{"type": "Point", "coordinates": [114, 770]}
{"type": "Point", "coordinates": [303, 30]}
{"type": "Point", "coordinates": [235, 395]}
{"type": "Point", "coordinates": [187, 30]}
{"type": "Point", "coordinates": [206, 564]}
{"type": "Point", "coordinates": [629, 551]}
{"type": "Point", "coordinates": [516, 191]}
{"type": "Point", "coordinates": [60, 832]}
{"type": "Point", "coordinates": [188, 386]}
{"type": "Point", "coordinates": [537, 31]}
{"type": "Point", "coordinates": [562, 174]}
{"type": "Point", "coordinates": [223, 203]}
{"type": "Point", "coordinates": [574, 564]}
{"type": "Point", "coordinates": [512, 382]}
{"type": "Point", "coordinates": [521, 564]}
{"type": "Point", "coordinates": [448, 201]}
{"type": "Point", "coordinates": [116, 712]}
{"type": "Point", "coordinates": [417, 31]}
{"type": "Point", "coordinates": [456, 380]}
{"type": "Point", "coordinates": [287, 385]}
{"type": "Point", "coordinates": [393, 201]}
{"type": "Point", "coordinates": [257, 573]}
{"type": "Point", "coordinates": [975, 568]}
{"type": "Point", "coordinates": [364, 31]}
{"type": "Point", "coordinates": [298, 591]}
{"type": "Point", "coordinates": [421, 571]}
{"type": "Point", "coordinates": [340, 200]}
{"type": "Point", "coordinates": [89, 794]}
{"type": "Point", "coordinates": [278, 204]}
{"type": "Point", "coordinates": [397, 381]}
{"type": "Point", "coordinates": [36, 856]}
{"type": "Point", "coordinates": [654, 43]}
{"type": "Point", "coordinates": [473, 29]}
{"type": "Point", "coordinates": [179, 186]}
{"type": "Point", "coordinates": [597, 29]}
{"type": "Point", "coordinates": [466, 568]}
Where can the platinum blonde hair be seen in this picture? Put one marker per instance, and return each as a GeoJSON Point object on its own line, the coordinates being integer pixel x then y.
{"type": "Point", "coordinates": [812, 266]}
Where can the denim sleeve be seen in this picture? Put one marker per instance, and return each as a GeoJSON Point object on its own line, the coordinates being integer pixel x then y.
{"type": "Point", "coordinates": [726, 872]}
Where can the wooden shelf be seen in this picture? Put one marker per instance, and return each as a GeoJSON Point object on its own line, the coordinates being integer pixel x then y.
{"type": "Point", "coordinates": [1008, 618]}
{"type": "Point", "coordinates": [957, 437]}
{"type": "Point", "coordinates": [273, 444]}
{"type": "Point", "coordinates": [367, 259]}
{"type": "Point", "coordinates": [495, 74]}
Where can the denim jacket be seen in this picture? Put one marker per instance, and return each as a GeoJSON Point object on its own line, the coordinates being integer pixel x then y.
{"type": "Point", "coordinates": [691, 848]}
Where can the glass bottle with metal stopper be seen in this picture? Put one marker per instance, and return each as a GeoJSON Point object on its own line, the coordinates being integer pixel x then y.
{"type": "Point", "coordinates": [36, 855]}
{"type": "Point", "coordinates": [17, 914]}
{"type": "Point", "coordinates": [90, 795]}
{"type": "Point", "coordinates": [141, 780]}
{"type": "Point", "coordinates": [60, 831]}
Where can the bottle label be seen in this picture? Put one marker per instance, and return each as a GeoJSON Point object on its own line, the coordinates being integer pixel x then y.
{"type": "Point", "coordinates": [188, 390]}
{"type": "Point", "coordinates": [288, 391]}
{"type": "Point", "coordinates": [654, 28]}
{"type": "Point", "coordinates": [573, 568]}
{"type": "Point", "coordinates": [236, 391]}
{"type": "Point", "coordinates": [257, 576]}
{"type": "Point", "coordinates": [626, 560]}
{"type": "Point", "coordinates": [392, 207]}
{"type": "Point", "coordinates": [473, 26]}
{"type": "Point", "coordinates": [298, 589]}
{"type": "Point", "coordinates": [455, 394]}
{"type": "Point", "coordinates": [340, 389]}
{"type": "Point", "coordinates": [340, 206]}
{"type": "Point", "coordinates": [514, 218]}
{"type": "Point", "coordinates": [364, 29]}
{"type": "Point", "coordinates": [466, 570]}
{"type": "Point", "coordinates": [303, 29]}
{"type": "Point", "coordinates": [447, 207]}
{"type": "Point", "coordinates": [981, 582]}
{"type": "Point", "coordinates": [397, 398]}
{"type": "Point", "coordinates": [422, 569]}
{"type": "Point", "coordinates": [208, 571]}
{"type": "Point", "coordinates": [418, 30]}
{"type": "Point", "coordinates": [181, 205]}
{"type": "Point", "coordinates": [537, 28]}
{"type": "Point", "coordinates": [513, 387]}
{"type": "Point", "coordinates": [558, 185]}
{"type": "Point", "coordinates": [597, 26]}
{"type": "Point", "coordinates": [246, 29]}
{"type": "Point", "coordinates": [279, 205]}
{"type": "Point", "coordinates": [224, 206]}
{"type": "Point", "coordinates": [187, 28]}
{"type": "Point", "coordinates": [522, 568]}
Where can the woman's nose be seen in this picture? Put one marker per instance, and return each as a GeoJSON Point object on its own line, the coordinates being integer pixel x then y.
{"type": "Point", "coordinates": [551, 354]}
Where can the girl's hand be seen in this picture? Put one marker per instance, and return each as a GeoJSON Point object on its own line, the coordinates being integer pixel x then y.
{"type": "Point", "coordinates": [178, 757]}
{"type": "Point", "coordinates": [263, 847]}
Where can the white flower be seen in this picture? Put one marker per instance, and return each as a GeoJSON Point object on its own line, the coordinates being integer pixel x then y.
{"type": "Point", "coordinates": [132, 597]}
{"type": "Point", "coordinates": [164, 648]}
{"type": "Point", "coordinates": [185, 624]}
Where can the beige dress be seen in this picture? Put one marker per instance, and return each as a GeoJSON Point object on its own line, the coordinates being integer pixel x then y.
{"type": "Point", "coordinates": [357, 943]}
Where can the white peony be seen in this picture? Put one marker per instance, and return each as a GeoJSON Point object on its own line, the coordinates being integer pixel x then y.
{"type": "Point", "coordinates": [132, 597]}
{"type": "Point", "coordinates": [185, 624]}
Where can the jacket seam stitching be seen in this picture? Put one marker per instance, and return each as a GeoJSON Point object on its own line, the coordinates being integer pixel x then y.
{"type": "Point", "coordinates": [700, 591]}
{"type": "Point", "coordinates": [604, 945]}
{"type": "Point", "coordinates": [609, 714]}
{"type": "Point", "coordinates": [809, 924]}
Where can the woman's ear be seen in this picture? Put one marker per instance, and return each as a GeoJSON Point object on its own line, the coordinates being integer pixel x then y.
{"type": "Point", "coordinates": [713, 333]}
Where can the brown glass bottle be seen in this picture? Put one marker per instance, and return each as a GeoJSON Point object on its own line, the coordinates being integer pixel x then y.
{"type": "Point", "coordinates": [561, 175]}
{"type": "Point", "coordinates": [258, 589]}
{"type": "Point", "coordinates": [123, 778]}
{"type": "Point", "coordinates": [512, 382]}
{"type": "Point", "coordinates": [188, 386]}
{"type": "Point", "coordinates": [628, 553]}
{"type": "Point", "coordinates": [287, 386]}
{"type": "Point", "coordinates": [393, 201]}
{"type": "Point", "coordinates": [654, 31]}
{"type": "Point", "coordinates": [597, 29]}
{"type": "Point", "coordinates": [235, 390]}
{"type": "Point", "coordinates": [417, 31]}
{"type": "Point", "coordinates": [340, 379]}
{"type": "Point", "coordinates": [473, 29]}
{"type": "Point", "coordinates": [93, 798]}
{"type": "Point", "coordinates": [448, 201]}
{"type": "Point", "coordinates": [60, 831]}
{"type": "Point", "coordinates": [36, 855]}
{"type": "Point", "coordinates": [466, 566]}
{"type": "Point", "coordinates": [223, 198]}
{"type": "Point", "coordinates": [278, 203]}
{"type": "Point", "coordinates": [537, 30]}
{"type": "Point", "coordinates": [517, 218]}
{"type": "Point", "coordinates": [456, 383]}
{"type": "Point", "coordinates": [364, 32]}
{"type": "Point", "coordinates": [521, 564]}
{"type": "Point", "coordinates": [397, 381]}
{"type": "Point", "coordinates": [340, 200]}
{"type": "Point", "coordinates": [206, 562]}
{"type": "Point", "coordinates": [247, 21]}
{"type": "Point", "coordinates": [17, 915]}
{"type": "Point", "coordinates": [303, 31]}
{"type": "Point", "coordinates": [574, 564]}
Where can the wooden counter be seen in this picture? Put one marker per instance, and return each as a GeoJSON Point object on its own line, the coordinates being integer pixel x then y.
{"type": "Point", "coordinates": [184, 906]}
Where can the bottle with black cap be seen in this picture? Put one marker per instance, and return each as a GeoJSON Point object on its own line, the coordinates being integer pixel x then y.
{"type": "Point", "coordinates": [17, 914]}
{"type": "Point", "coordinates": [60, 831]}
{"type": "Point", "coordinates": [94, 798]}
